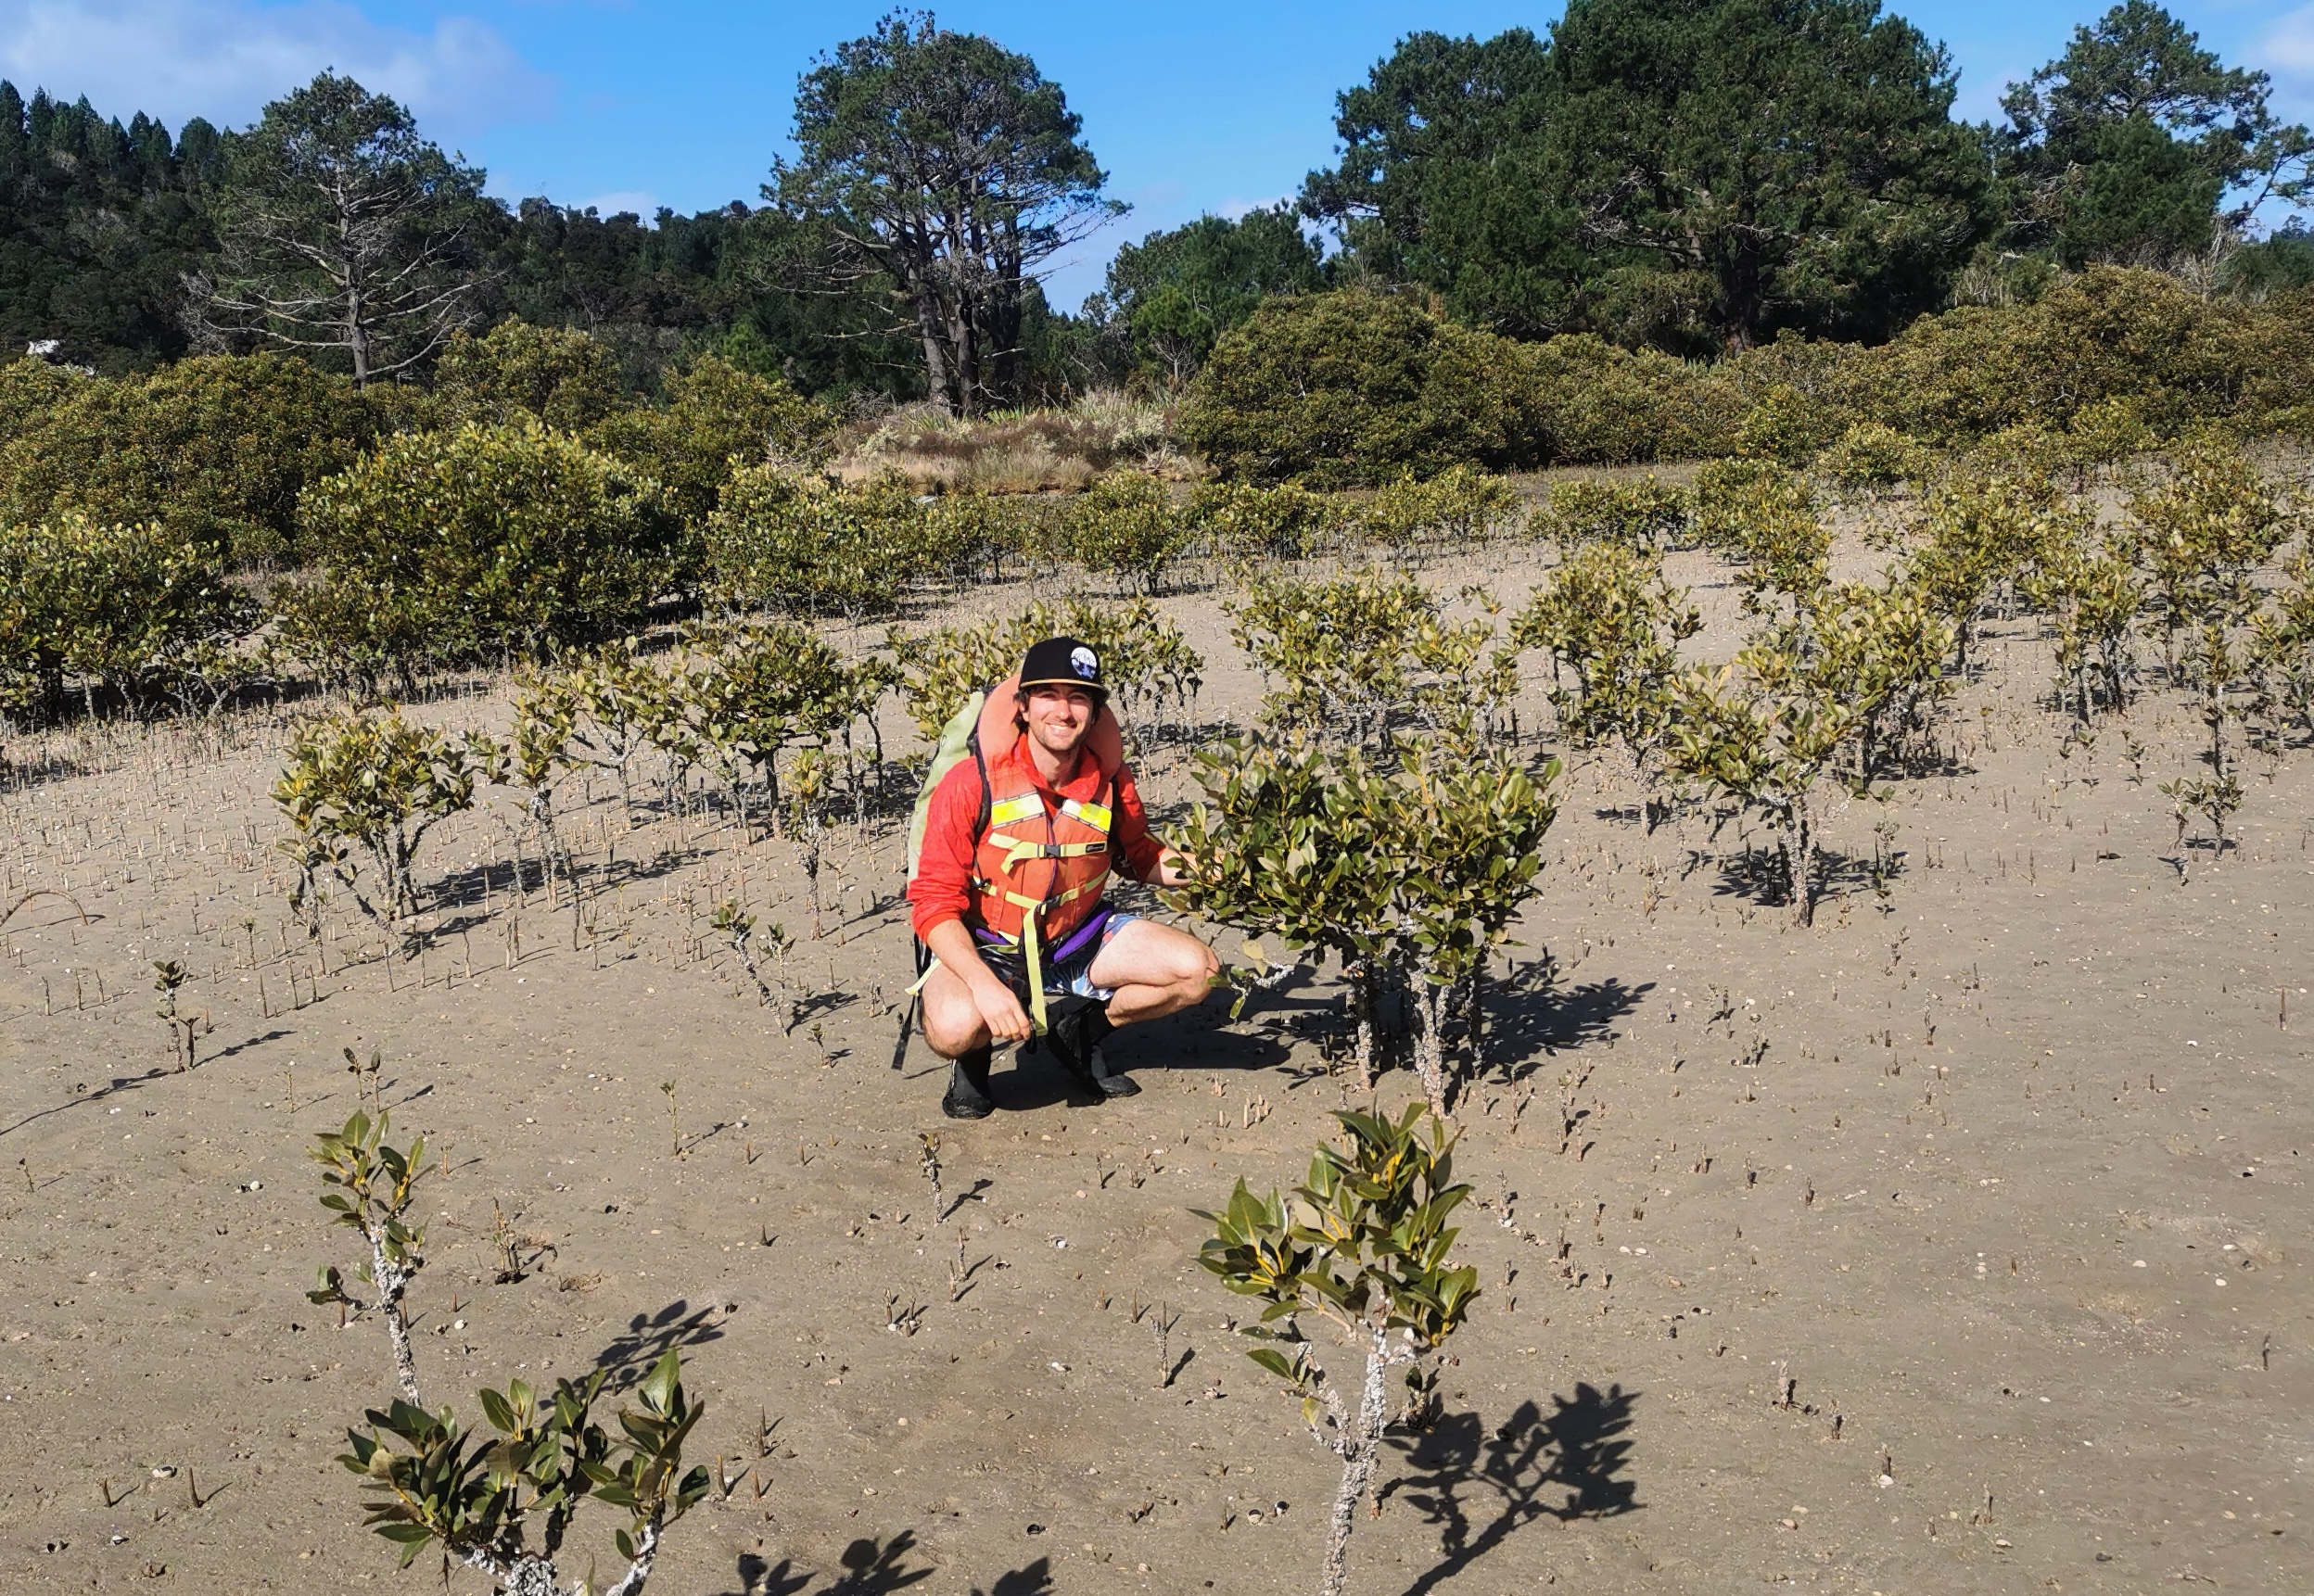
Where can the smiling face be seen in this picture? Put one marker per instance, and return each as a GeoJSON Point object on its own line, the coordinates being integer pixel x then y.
{"type": "Point", "coordinates": [1059, 716]}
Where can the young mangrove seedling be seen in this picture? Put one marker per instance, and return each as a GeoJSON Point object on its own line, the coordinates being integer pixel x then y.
{"type": "Point", "coordinates": [501, 1501]}
{"type": "Point", "coordinates": [373, 1185]}
{"type": "Point", "coordinates": [930, 1162]}
{"type": "Point", "coordinates": [738, 928]}
{"type": "Point", "coordinates": [168, 975]}
{"type": "Point", "coordinates": [1363, 1244]}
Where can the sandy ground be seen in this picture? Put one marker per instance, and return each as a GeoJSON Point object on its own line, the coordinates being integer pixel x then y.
{"type": "Point", "coordinates": [2002, 1171]}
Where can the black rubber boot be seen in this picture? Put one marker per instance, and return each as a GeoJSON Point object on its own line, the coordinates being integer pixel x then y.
{"type": "Point", "coordinates": [968, 1087]}
{"type": "Point", "coordinates": [1078, 1037]}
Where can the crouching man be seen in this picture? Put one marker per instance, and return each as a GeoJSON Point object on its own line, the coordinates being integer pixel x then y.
{"type": "Point", "coordinates": [1019, 842]}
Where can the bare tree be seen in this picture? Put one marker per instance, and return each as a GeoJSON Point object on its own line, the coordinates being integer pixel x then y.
{"type": "Point", "coordinates": [340, 229]}
{"type": "Point", "coordinates": [949, 166]}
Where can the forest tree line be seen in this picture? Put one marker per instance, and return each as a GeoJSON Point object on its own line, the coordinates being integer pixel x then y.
{"type": "Point", "coordinates": [1691, 177]}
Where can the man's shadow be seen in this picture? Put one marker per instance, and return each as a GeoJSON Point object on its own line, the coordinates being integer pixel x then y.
{"type": "Point", "coordinates": [1567, 1465]}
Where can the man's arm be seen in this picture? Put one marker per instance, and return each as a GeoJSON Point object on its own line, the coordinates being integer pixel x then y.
{"type": "Point", "coordinates": [1146, 858]}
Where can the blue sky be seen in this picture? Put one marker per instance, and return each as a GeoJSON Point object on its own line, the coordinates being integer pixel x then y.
{"type": "Point", "coordinates": [1191, 105]}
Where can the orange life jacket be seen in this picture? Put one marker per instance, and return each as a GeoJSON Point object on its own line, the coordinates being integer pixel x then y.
{"type": "Point", "coordinates": [1037, 873]}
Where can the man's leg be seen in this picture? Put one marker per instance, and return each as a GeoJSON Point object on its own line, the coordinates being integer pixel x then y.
{"type": "Point", "coordinates": [954, 1030]}
{"type": "Point", "coordinates": [1150, 970]}
{"type": "Point", "coordinates": [1154, 970]}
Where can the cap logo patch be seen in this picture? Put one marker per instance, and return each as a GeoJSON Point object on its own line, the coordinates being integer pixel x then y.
{"type": "Point", "coordinates": [1085, 663]}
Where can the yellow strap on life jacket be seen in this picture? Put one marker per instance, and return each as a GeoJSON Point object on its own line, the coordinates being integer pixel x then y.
{"type": "Point", "coordinates": [1031, 940]}
{"type": "Point", "coordinates": [1017, 850]}
{"type": "Point", "coordinates": [1026, 806]}
{"type": "Point", "coordinates": [1096, 815]}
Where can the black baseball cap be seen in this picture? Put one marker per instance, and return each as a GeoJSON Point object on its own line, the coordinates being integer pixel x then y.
{"type": "Point", "coordinates": [1064, 662]}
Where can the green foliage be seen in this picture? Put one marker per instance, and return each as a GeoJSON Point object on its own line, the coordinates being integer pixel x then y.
{"type": "Point", "coordinates": [1353, 654]}
{"type": "Point", "coordinates": [486, 543]}
{"type": "Point", "coordinates": [344, 234]}
{"type": "Point", "coordinates": [430, 1481]}
{"type": "Point", "coordinates": [1691, 176]}
{"type": "Point", "coordinates": [1881, 651]}
{"type": "Point", "coordinates": [216, 449]}
{"type": "Point", "coordinates": [375, 783]}
{"type": "Point", "coordinates": [782, 540]}
{"type": "Point", "coordinates": [2123, 146]}
{"type": "Point", "coordinates": [2204, 529]}
{"type": "Point", "coordinates": [2093, 594]}
{"type": "Point", "coordinates": [712, 418]}
{"type": "Point", "coordinates": [1872, 455]}
{"type": "Point", "coordinates": [1243, 522]}
{"type": "Point", "coordinates": [1177, 291]}
{"type": "Point", "coordinates": [1765, 731]}
{"type": "Point", "coordinates": [956, 168]}
{"type": "Point", "coordinates": [1353, 388]}
{"type": "Point", "coordinates": [1364, 1243]}
{"type": "Point", "coordinates": [371, 1187]}
{"type": "Point", "coordinates": [104, 222]}
{"type": "Point", "coordinates": [1608, 615]}
{"type": "Point", "coordinates": [1362, 653]}
{"type": "Point", "coordinates": [1764, 516]}
{"type": "Point", "coordinates": [1147, 660]}
{"type": "Point", "coordinates": [135, 610]}
{"type": "Point", "coordinates": [560, 377]}
{"type": "Point", "coordinates": [433, 1482]}
{"type": "Point", "coordinates": [751, 692]}
{"type": "Point", "coordinates": [1127, 526]}
{"type": "Point", "coordinates": [2281, 648]}
{"type": "Point", "coordinates": [1456, 511]}
{"type": "Point", "coordinates": [1408, 873]}
{"type": "Point", "coordinates": [1641, 516]}
{"type": "Point", "coordinates": [1592, 403]}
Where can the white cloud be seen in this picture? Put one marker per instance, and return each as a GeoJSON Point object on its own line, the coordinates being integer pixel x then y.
{"type": "Point", "coordinates": [2287, 52]}
{"type": "Point", "coordinates": [223, 59]}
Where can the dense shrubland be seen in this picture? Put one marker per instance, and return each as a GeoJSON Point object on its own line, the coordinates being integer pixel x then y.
{"type": "Point", "coordinates": [1355, 386]}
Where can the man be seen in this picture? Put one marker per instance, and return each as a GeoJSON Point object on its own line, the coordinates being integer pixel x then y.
{"type": "Point", "coordinates": [1006, 892]}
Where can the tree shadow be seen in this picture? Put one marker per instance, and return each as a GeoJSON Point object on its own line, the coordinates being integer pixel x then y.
{"type": "Point", "coordinates": [1529, 1013]}
{"type": "Point", "coordinates": [757, 1577]}
{"type": "Point", "coordinates": [1575, 1454]}
{"type": "Point", "coordinates": [878, 1568]}
{"type": "Point", "coordinates": [650, 1337]}
{"type": "Point", "coordinates": [1033, 1580]}
{"type": "Point", "coordinates": [1758, 874]}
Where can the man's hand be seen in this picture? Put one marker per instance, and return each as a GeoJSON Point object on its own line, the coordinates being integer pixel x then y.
{"type": "Point", "coordinates": [1173, 868]}
{"type": "Point", "coordinates": [1000, 1011]}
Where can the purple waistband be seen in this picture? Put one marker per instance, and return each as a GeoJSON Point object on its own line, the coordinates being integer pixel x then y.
{"type": "Point", "coordinates": [1076, 942]}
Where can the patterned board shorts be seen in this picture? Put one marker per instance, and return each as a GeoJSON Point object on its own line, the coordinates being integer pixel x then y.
{"type": "Point", "coordinates": [1074, 978]}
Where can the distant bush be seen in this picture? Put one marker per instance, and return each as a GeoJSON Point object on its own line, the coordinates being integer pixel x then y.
{"type": "Point", "coordinates": [1458, 509]}
{"type": "Point", "coordinates": [1240, 521]}
{"type": "Point", "coordinates": [487, 542]}
{"type": "Point", "coordinates": [217, 449]}
{"type": "Point", "coordinates": [562, 377]}
{"type": "Point", "coordinates": [1872, 454]}
{"type": "Point", "coordinates": [131, 610]}
{"type": "Point", "coordinates": [1350, 388]}
{"type": "Point", "coordinates": [714, 417]}
{"type": "Point", "coordinates": [1640, 516]}
{"type": "Point", "coordinates": [1127, 525]}
{"type": "Point", "coordinates": [787, 541]}
{"type": "Point", "coordinates": [1594, 404]}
